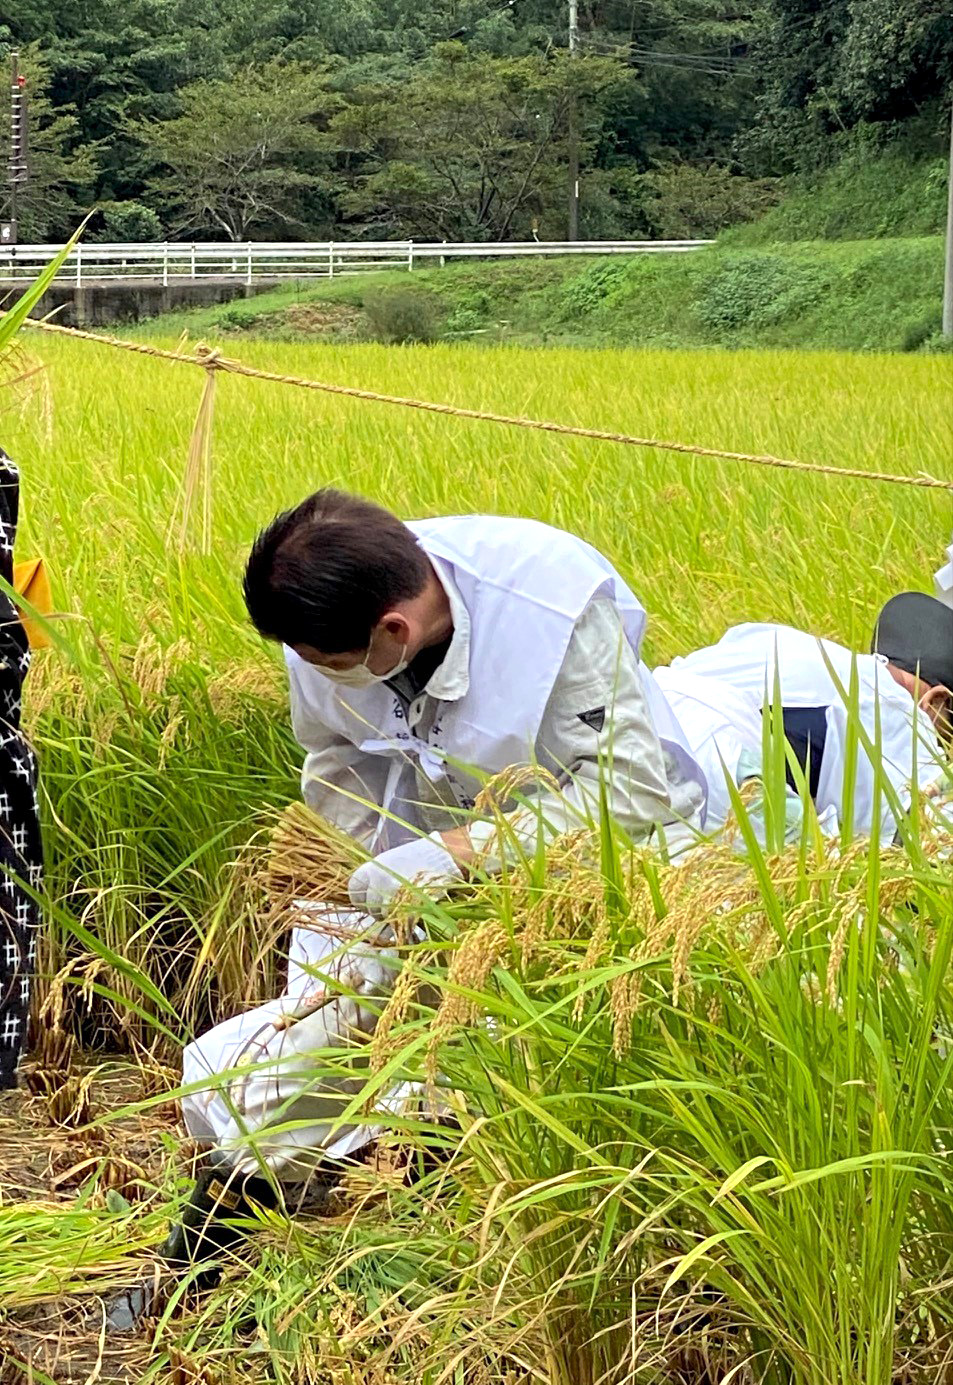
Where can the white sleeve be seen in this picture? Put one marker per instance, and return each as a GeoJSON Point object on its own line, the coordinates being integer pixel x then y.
{"type": "Point", "coordinates": [908, 750]}
{"type": "Point", "coordinates": [598, 731]}
{"type": "Point", "coordinates": [338, 780]}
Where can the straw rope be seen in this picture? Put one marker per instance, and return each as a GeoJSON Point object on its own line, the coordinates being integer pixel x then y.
{"type": "Point", "coordinates": [212, 360]}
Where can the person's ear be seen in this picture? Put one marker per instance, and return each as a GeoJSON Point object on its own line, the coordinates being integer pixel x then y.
{"type": "Point", "coordinates": [396, 625]}
{"type": "Point", "coordinates": [936, 702]}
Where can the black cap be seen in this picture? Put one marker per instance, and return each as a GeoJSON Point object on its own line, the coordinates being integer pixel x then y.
{"type": "Point", "coordinates": [915, 632]}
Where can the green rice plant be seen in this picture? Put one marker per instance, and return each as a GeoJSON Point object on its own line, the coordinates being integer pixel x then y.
{"type": "Point", "coordinates": [160, 718]}
{"type": "Point", "coordinates": [703, 1120]}
{"type": "Point", "coordinates": [51, 1250]}
{"type": "Point", "coordinates": [754, 1167]}
{"type": "Point", "coordinates": [705, 1128]}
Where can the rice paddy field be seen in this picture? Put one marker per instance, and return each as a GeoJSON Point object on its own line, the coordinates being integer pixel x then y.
{"type": "Point", "coordinates": [705, 1137]}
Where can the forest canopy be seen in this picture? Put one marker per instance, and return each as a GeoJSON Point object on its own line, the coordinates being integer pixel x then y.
{"type": "Point", "coordinates": [447, 119]}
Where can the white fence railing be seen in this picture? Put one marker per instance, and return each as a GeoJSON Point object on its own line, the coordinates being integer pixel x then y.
{"type": "Point", "coordinates": [178, 262]}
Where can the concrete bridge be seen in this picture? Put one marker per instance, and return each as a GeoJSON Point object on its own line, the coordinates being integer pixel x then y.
{"type": "Point", "coordinates": [99, 302]}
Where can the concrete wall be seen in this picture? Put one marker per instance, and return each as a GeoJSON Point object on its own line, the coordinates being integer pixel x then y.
{"type": "Point", "coordinates": [97, 305]}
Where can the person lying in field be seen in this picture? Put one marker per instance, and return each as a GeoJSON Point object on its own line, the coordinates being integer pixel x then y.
{"type": "Point", "coordinates": [903, 707]}
{"type": "Point", "coordinates": [415, 651]}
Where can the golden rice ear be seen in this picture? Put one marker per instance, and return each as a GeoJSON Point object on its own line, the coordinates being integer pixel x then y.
{"type": "Point", "coordinates": [497, 791]}
{"type": "Point", "coordinates": [309, 858]}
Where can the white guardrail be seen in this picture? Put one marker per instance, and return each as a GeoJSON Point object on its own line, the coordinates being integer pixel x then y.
{"type": "Point", "coordinates": [177, 262]}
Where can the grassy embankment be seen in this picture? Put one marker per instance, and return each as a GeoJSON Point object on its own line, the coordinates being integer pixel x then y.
{"type": "Point", "coordinates": [866, 295]}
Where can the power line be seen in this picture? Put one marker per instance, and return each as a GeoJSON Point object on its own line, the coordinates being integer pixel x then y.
{"type": "Point", "coordinates": [709, 56]}
{"type": "Point", "coordinates": [650, 57]}
{"type": "Point", "coordinates": [494, 9]}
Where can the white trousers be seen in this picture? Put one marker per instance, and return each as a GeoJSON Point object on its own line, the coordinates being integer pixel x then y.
{"type": "Point", "coordinates": [264, 1093]}
{"type": "Point", "coordinates": [284, 1108]}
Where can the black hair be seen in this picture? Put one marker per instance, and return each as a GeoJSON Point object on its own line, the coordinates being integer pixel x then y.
{"type": "Point", "coordinates": [324, 573]}
{"type": "Point", "coordinates": [914, 632]}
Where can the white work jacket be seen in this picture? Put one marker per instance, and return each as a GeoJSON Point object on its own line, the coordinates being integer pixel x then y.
{"type": "Point", "coordinates": [808, 670]}
{"type": "Point", "coordinates": [543, 667]}
{"type": "Point", "coordinates": [721, 722]}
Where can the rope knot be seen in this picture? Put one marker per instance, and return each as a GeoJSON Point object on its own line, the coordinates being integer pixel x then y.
{"type": "Point", "coordinates": [209, 356]}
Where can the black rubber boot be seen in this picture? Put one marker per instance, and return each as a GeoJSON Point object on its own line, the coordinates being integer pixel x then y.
{"type": "Point", "coordinates": [209, 1229]}
{"type": "Point", "coordinates": [220, 1200]}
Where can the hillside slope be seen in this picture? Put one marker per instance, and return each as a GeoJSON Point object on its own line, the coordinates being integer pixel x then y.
{"type": "Point", "coordinates": [893, 192]}
{"type": "Point", "coordinates": [879, 295]}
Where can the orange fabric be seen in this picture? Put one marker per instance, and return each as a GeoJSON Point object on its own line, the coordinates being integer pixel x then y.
{"type": "Point", "coordinates": [31, 580]}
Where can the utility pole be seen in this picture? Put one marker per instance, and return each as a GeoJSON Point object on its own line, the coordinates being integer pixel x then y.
{"type": "Point", "coordinates": [948, 278]}
{"type": "Point", "coordinates": [17, 168]}
{"type": "Point", "coordinates": [573, 128]}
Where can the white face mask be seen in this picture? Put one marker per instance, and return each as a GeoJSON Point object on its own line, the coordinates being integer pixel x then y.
{"type": "Point", "coordinates": [360, 676]}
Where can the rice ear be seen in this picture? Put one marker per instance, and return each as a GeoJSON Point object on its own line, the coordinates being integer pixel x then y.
{"type": "Point", "coordinates": [309, 858]}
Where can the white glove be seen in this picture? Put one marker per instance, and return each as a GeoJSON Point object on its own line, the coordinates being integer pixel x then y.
{"type": "Point", "coordinates": [750, 767]}
{"type": "Point", "coordinates": [424, 862]}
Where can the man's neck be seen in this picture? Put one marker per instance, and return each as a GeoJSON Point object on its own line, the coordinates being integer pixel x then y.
{"type": "Point", "coordinates": [435, 614]}
{"type": "Point", "coordinates": [905, 679]}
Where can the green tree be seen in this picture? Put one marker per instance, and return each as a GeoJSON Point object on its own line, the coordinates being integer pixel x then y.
{"type": "Point", "coordinates": [897, 54]}
{"type": "Point", "coordinates": [704, 90]}
{"type": "Point", "coordinates": [125, 63]}
{"type": "Point", "coordinates": [62, 168]}
{"type": "Point", "coordinates": [113, 62]}
{"type": "Point", "coordinates": [473, 148]}
{"type": "Point", "coordinates": [824, 69]}
{"type": "Point", "coordinates": [244, 155]}
{"type": "Point", "coordinates": [127, 221]}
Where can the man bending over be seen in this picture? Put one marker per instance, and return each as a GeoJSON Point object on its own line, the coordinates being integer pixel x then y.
{"type": "Point", "coordinates": [422, 658]}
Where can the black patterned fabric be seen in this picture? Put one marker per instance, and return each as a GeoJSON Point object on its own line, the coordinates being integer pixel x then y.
{"type": "Point", "coordinates": [21, 861]}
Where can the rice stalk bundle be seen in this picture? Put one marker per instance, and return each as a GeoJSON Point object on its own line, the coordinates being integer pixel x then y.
{"type": "Point", "coordinates": [715, 895]}
{"type": "Point", "coordinates": [197, 482]}
{"type": "Point", "coordinates": [309, 859]}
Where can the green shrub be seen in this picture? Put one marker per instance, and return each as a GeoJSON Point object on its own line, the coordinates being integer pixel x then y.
{"type": "Point", "coordinates": [755, 291]}
{"type": "Point", "coordinates": [475, 300]}
{"type": "Point", "coordinates": [401, 315]}
{"type": "Point", "coordinates": [920, 332]}
{"type": "Point", "coordinates": [237, 319]}
{"type": "Point", "coordinates": [128, 221]}
{"type": "Point", "coordinates": [938, 344]}
{"type": "Point", "coordinates": [471, 311]}
{"type": "Point", "coordinates": [464, 320]}
{"type": "Point", "coordinates": [581, 293]}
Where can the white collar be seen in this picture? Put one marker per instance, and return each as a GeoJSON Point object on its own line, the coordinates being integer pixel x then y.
{"type": "Point", "coordinates": [450, 680]}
